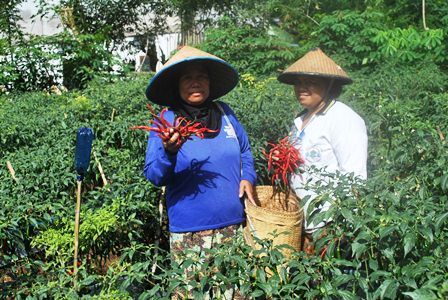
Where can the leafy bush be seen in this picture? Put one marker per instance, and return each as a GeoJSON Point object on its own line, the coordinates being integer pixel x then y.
{"type": "Point", "coordinates": [30, 65]}
{"type": "Point", "coordinates": [41, 62]}
{"type": "Point", "coordinates": [409, 45]}
{"type": "Point", "coordinates": [84, 57]}
{"type": "Point", "coordinates": [365, 37]}
{"type": "Point", "coordinates": [249, 48]}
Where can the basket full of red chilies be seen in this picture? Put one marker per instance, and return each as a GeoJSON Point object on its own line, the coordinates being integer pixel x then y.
{"type": "Point", "coordinates": [278, 215]}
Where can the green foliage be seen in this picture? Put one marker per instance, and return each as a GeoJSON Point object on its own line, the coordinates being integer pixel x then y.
{"type": "Point", "coordinates": [110, 19]}
{"type": "Point", "coordinates": [410, 45]}
{"type": "Point", "coordinates": [84, 57]}
{"type": "Point", "coordinates": [25, 63]}
{"type": "Point", "coordinates": [197, 12]}
{"type": "Point", "coordinates": [403, 13]}
{"type": "Point", "coordinates": [10, 30]}
{"type": "Point", "coordinates": [388, 238]}
{"type": "Point", "coordinates": [397, 82]}
{"type": "Point", "coordinates": [30, 67]}
{"type": "Point", "coordinates": [249, 49]}
{"type": "Point", "coordinates": [38, 140]}
{"type": "Point", "coordinates": [356, 33]}
{"type": "Point", "coordinates": [41, 62]}
{"type": "Point", "coordinates": [360, 38]}
{"type": "Point", "coordinates": [349, 33]}
{"type": "Point", "coordinates": [58, 240]}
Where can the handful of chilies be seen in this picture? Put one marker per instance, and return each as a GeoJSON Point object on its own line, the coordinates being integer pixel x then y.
{"type": "Point", "coordinates": [185, 128]}
{"type": "Point", "coordinates": [283, 160]}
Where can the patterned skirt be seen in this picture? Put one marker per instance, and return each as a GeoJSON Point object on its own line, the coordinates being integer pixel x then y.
{"type": "Point", "coordinates": [198, 241]}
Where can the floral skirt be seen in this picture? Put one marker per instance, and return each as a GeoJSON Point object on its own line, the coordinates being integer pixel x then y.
{"type": "Point", "coordinates": [191, 245]}
{"type": "Point", "coordinates": [199, 240]}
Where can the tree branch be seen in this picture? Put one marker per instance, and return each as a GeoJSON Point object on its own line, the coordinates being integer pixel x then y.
{"type": "Point", "coordinates": [424, 15]}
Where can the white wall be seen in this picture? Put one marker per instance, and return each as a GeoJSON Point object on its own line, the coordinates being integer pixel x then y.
{"type": "Point", "coordinates": [166, 44]}
{"type": "Point", "coordinates": [38, 26]}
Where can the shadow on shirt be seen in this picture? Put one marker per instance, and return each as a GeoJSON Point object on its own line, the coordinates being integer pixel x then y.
{"type": "Point", "coordinates": [195, 180]}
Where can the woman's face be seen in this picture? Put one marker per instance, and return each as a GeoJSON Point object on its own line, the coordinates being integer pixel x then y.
{"type": "Point", "coordinates": [310, 91]}
{"type": "Point", "coordinates": [194, 85]}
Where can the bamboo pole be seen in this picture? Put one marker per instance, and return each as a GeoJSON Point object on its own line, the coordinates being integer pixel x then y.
{"type": "Point", "coordinates": [100, 168]}
{"type": "Point", "coordinates": [11, 170]}
{"type": "Point", "coordinates": [159, 229]}
{"type": "Point", "coordinates": [77, 213]}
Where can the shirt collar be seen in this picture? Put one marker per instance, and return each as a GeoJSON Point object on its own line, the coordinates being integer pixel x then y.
{"type": "Point", "coordinates": [326, 107]}
{"type": "Point", "coordinates": [322, 111]}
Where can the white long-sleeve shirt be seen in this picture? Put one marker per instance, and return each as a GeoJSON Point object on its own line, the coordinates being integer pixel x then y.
{"type": "Point", "coordinates": [333, 140]}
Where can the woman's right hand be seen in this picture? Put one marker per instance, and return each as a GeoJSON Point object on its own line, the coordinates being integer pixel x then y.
{"type": "Point", "coordinates": [173, 144]}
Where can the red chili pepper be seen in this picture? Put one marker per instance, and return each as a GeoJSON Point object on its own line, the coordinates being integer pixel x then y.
{"type": "Point", "coordinates": [181, 125]}
{"type": "Point", "coordinates": [287, 160]}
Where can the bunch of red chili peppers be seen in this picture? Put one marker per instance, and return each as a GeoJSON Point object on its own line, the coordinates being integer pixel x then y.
{"type": "Point", "coordinates": [181, 125]}
{"type": "Point", "coordinates": [283, 160]}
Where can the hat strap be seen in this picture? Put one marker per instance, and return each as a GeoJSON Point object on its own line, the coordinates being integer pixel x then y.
{"type": "Point", "coordinates": [326, 97]}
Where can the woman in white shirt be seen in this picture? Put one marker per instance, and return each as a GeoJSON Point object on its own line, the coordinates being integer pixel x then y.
{"type": "Point", "coordinates": [330, 136]}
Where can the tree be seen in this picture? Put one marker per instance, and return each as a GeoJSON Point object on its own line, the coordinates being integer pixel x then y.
{"type": "Point", "coordinates": [10, 30]}
{"type": "Point", "coordinates": [193, 12]}
{"type": "Point", "coordinates": [24, 64]}
{"type": "Point", "coordinates": [95, 27]}
{"type": "Point", "coordinates": [112, 19]}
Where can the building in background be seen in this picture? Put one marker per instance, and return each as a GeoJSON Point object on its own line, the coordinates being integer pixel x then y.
{"type": "Point", "coordinates": [37, 25]}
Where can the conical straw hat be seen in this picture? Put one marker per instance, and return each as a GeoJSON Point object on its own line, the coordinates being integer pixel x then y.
{"type": "Point", "coordinates": [314, 63]}
{"type": "Point", "coordinates": [163, 88]}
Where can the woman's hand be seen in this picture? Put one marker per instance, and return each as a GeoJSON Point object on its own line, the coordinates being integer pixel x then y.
{"type": "Point", "coordinates": [174, 143]}
{"type": "Point", "coordinates": [247, 188]}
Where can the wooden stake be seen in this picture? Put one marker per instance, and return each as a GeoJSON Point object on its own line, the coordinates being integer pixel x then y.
{"type": "Point", "coordinates": [100, 168]}
{"type": "Point", "coordinates": [77, 213]}
{"type": "Point", "coordinates": [442, 138]}
{"type": "Point", "coordinates": [11, 170]}
{"type": "Point", "coordinates": [161, 199]}
{"type": "Point", "coordinates": [113, 114]}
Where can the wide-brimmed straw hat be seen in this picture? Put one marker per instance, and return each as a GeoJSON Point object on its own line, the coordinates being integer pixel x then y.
{"type": "Point", "coordinates": [163, 88]}
{"type": "Point", "coordinates": [314, 63]}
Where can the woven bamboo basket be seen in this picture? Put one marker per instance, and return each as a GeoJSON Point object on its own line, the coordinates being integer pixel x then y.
{"type": "Point", "coordinates": [277, 213]}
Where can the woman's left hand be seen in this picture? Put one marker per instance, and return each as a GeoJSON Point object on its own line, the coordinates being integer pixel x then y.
{"type": "Point", "coordinates": [247, 188]}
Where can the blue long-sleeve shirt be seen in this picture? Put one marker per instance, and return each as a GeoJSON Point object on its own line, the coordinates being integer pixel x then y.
{"type": "Point", "coordinates": [202, 180]}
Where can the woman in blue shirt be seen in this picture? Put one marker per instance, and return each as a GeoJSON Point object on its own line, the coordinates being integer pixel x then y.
{"type": "Point", "coordinates": [205, 178]}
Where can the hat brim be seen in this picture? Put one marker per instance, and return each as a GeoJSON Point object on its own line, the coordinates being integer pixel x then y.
{"type": "Point", "coordinates": [163, 88]}
{"type": "Point", "coordinates": [292, 77]}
